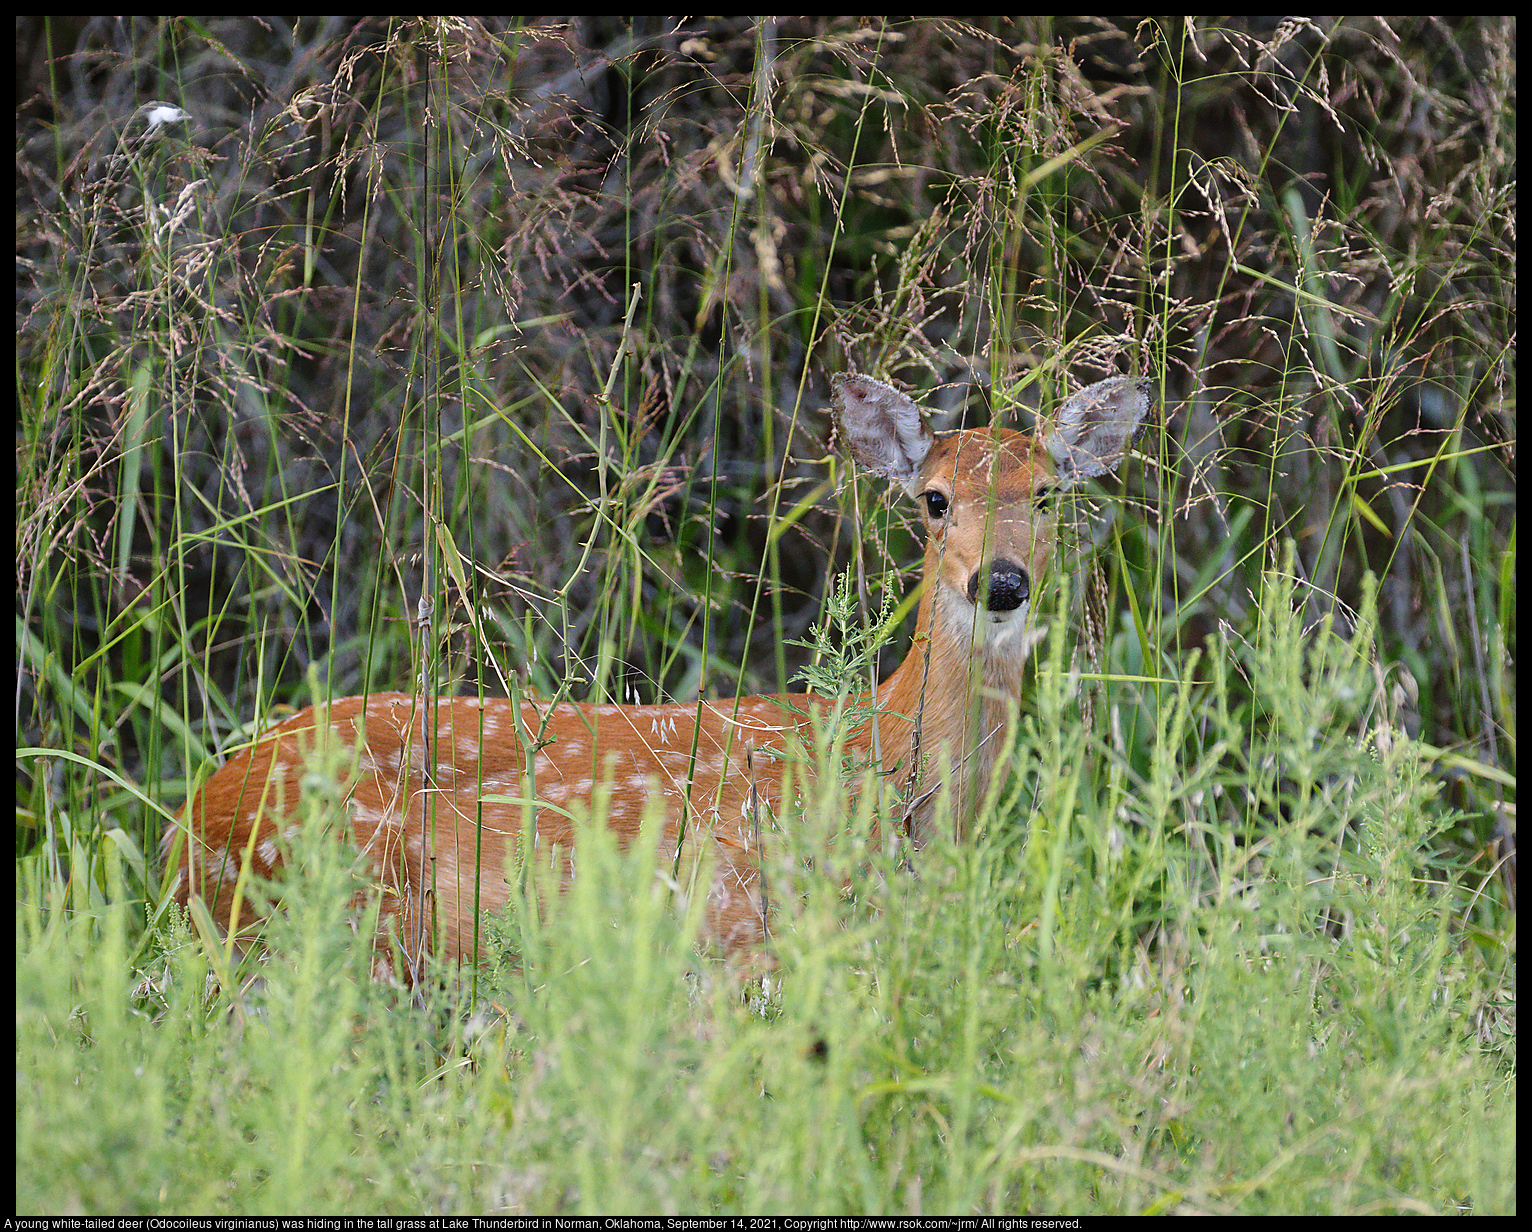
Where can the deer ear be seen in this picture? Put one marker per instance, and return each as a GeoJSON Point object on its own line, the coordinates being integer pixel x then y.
{"type": "Point", "coordinates": [1093, 430]}
{"type": "Point", "coordinates": [883, 429]}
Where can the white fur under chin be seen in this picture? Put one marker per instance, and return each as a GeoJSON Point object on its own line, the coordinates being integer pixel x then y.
{"type": "Point", "coordinates": [1004, 627]}
{"type": "Point", "coordinates": [996, 632]}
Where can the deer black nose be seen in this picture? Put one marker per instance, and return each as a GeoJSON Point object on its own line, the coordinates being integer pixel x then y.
{"type": "Point", "coordinates": [1009, 587]}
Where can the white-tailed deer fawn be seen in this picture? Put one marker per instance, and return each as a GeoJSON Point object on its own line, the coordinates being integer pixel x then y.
{"type": "Point", "coordinates": [439, 821]}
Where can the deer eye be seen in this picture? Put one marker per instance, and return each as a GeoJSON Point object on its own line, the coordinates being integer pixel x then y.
{"type": "Point", "coordinates": [1042, 500]}
{"type": "Point", "coordinates": [936, 504]}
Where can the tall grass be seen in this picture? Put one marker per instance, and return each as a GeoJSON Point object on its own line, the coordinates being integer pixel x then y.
{"type": "Point", "coordinates": [432, 355]}
{"type": "Point", "coordinates": [1118, 1007]}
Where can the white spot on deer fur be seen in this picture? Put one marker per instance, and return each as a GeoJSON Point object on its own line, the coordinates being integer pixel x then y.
{"type": "Point", "coordinates": [266, 853]}
{"type": "Point", "coordinates": [366, 818]}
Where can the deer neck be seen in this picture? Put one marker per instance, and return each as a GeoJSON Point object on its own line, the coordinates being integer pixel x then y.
{"type": "Point", "coordinates": [943, 713]}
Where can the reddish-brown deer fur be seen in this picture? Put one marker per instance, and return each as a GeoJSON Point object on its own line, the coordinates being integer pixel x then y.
{"type": "Point", "coordinates": [989, 502]}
